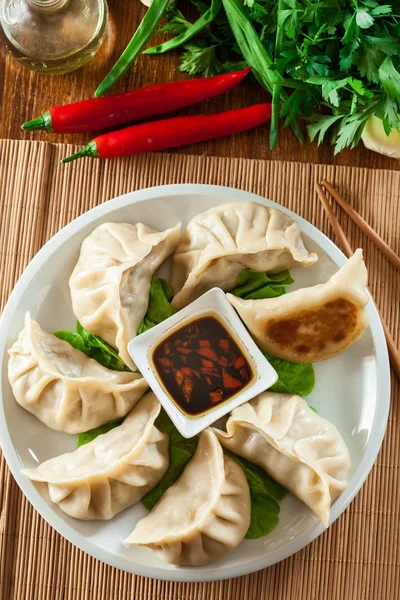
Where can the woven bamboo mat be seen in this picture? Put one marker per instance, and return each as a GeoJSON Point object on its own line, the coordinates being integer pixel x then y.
{"type": "Point", "coordinates": [358, 558]}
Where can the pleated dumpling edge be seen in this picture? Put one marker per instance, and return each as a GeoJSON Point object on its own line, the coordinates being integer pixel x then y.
{"type": "Point", "coordinates": [300, 449]}
{"type": "Point", "coordinates": [222, 241]}
{"type": "Point", "coordinates": [63, 387]}
{"type": "Point", "coordinates": [110, 283]}
{"type": "Point", "coordinates": [204, 515]}
{"type": "Point", "coordinates": [112, 472]}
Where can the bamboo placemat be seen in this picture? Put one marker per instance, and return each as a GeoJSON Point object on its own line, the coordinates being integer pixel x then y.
{"type": "Point", "coordinates": [358, 558]}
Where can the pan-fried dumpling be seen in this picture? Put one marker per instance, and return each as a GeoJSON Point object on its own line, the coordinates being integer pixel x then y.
{"type": "Point", "coordinates": [204, 515]}
{"type": "Point", "coordinates": [64, 388]}
{"type": "Point", "coordinates": [110, 284]}
{"type": "Point", "coordinates": [113, 471]}
{"type": "Point", "coordinates": [311, 324]}
{"type": "Point", "coordinates": [298, 448]}
{"type": "Point", "coordinates": [219, 243]}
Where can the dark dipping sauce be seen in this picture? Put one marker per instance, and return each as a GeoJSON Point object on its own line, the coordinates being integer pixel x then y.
{"type": "Point", "coordinates": [200, 365]}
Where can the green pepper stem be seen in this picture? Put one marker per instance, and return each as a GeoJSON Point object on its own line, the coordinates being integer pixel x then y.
{"type": "Point", "coordinates": [42, 122]}
{"type": "Point", "coordinates": [89, 150]}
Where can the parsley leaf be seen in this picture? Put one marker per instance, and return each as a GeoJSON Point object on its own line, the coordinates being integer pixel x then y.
{"type": "Point", "coordinates": [364, 19]}
{"type": "Point", "coordinates": [321, 125]}
{"type": "Point", "coordinates": [390, 79]}
{"type": "Point", "coordinates": [199, 59]}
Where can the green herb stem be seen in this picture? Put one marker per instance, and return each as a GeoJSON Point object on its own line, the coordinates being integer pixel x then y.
{"type": "Point", "coordinates": [254, 51]}
{"type": "Point", "coordinates": [201, 23]}
{"type": "Point", "coordinates": [140, 38]}
{"type": "Point", "coordinates": [277, 89]}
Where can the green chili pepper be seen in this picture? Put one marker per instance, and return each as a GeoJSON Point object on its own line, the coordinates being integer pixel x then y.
{"type": "Point", "coordinates": [140, 38]}
{"type": "Point", "coordinates": [254, 52]}
{"type": "Point", "coordinates": [205, 19]}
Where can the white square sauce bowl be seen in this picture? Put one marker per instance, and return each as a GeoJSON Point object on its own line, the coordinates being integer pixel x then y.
{"type": "Point", "coordinates": [189, 421]}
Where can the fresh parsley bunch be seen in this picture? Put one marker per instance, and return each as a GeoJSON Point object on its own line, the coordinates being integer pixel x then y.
{"type": "Point", "coordinates": [333, 63]}
{"type": "Point", "coordinates": [342, 57]}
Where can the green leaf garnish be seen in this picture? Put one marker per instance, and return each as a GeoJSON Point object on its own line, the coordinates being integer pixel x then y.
{"type": "Point", "coordinates": [94, 347]}
{"type": "Point", "coordinates": [293, 378]}
{"type": "Point", "coordinates": [181, 451]}
{"type": "Point", "coordinates": [265, 495]}
{"type": "Point", "coordinates": [159, 307]}
{"type": "Point", "coordinates": [256, 285]}
{"type": "Point", "coordinates": [264, 491]}
{"type": "Point", "coordinates": [88, 436]}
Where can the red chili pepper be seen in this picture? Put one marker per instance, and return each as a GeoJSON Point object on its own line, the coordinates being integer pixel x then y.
{"type": "Point", "coordinates": [207, 363]}
{"type": "Point", "coordinates": [244, 373]}
{"type": "Point", "coordinates": [171, 133]}
{"type": "Point", "coordinates": [187, 388]}
{"type": "Point", "coordinates": [102, 113]}
{"type": "Point", "coordinates": [179, 377]}
{"type": "Point", "coordinates": [184, 350]}
{"type": "Point", "coordinates": [239, 362]}
{"type": "Point", "coordinates": [189, 372]}
{"type": "Point", "coordinates": [165, 362]}
{"type": "Point", "coordinates": [216, 396]}
{"type": "Point", "coordinates": [229, 381]}
{"type": "Point", "coordinates": [207, 353]}
{"type": "Point", "coordinates": [224, 344]}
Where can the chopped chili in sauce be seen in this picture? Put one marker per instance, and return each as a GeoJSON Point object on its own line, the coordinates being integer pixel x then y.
{"type": "Point", "coordinates": [201, 365]}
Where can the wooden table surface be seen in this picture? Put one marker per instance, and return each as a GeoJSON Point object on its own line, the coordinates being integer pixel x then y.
{"type": "Point", "coordinates": [26, 94]}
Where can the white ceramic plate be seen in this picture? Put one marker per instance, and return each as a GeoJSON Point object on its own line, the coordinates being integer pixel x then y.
{"type": "Point", "coordinates": [352, 390]}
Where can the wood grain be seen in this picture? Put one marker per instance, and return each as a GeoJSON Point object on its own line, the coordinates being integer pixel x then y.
{"type": "Point", "coordinates": [25, 94]}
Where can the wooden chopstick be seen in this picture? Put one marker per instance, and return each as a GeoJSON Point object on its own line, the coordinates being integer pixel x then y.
{"type": "Point", "coordinates": [394, 354]}
{"type": "Point", "coordinates": [334, 222]}
{"type": "Point", "coordinates": [364, 226]}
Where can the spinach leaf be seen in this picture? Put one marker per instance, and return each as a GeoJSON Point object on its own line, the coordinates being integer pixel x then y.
{"type": "Point", "coordinates": [293, 378]}
{"type": "Point", "coordinates": [88, 436]}
{"type": "Point", "coordinates": [264, 491]}
{"type": "Point", "coordinates": [159, 307]}
{"type": "Point", "coordinates": [181, 451]}
{"type": "Point", "coordinates": [256, 285]}
{"type": "Point", "coordinates": [94, 347]}
{"type": "Point", "coordinates": [265, 495]}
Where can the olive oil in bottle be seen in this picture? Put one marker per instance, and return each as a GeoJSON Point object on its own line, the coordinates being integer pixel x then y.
{"type": "Point", "coordinates": [53, 36]}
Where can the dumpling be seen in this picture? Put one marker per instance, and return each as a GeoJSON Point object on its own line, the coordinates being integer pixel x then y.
{"type": "Point", "coordinates": [314, 323]}
{"type": "Point", "coordinates": [204, 515]}
{"type": "Point", "coordinates": [112, 472]}
{"type": "Point", "coordinates": [298, 448]}
{"type": "Point", "coordinates": [219, 243]}
{"type": "Point", "coordinates": [64, 388]}
{"type": "Point", "coordinates": [110, 283]}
